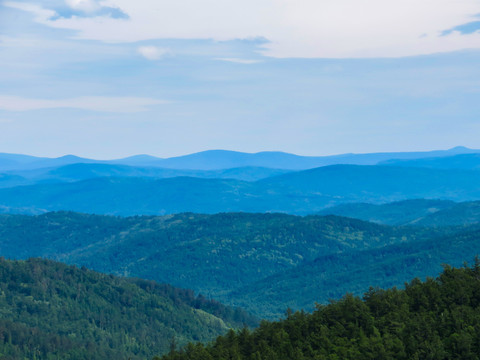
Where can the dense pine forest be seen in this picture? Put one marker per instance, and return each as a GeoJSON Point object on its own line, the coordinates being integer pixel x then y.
{"type": "Point", "coordinates": [435, 319]}
{"type": "Point", "coordinates": [49, 310]}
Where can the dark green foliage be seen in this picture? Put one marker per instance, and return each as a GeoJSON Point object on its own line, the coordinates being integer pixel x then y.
{"type": "Point", "coordinates": [49, 310]}
{"type": "Point", "coordinates": [329, 277]}
{"type": "Point", "coordinates": [255, 261]}
{"type": "Point", "coordinates": [436, 319]}
{"type": "Point", "coordinates": [211, 254]}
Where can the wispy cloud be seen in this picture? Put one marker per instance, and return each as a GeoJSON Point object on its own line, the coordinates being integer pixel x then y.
{"type": "Point", "coordinates": [87, 8]}
{"type": "Point", "coordinates": [239, 61]}
{"type": "Point", "coordinates": [300, 28]}
{"type": "Point", "coordinates": [42, 15]}
{"type": "Point", "coordinates": [153, 52]}
{"type": "Point", "coordinates": [92, 103]}
{"type": "Point", "coordinates": [68, 9]}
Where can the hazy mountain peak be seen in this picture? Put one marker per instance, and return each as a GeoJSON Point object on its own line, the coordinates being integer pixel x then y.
{"type": "Point", "coordinates": [460, 148]}
{"type": "Point", "coordinates": [218, 159]}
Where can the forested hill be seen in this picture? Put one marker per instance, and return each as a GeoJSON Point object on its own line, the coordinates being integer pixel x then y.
{"type": "Point", "coordinates": [53, 311]}
{"type": "Point", "coordinates": [436, 319]}
{"type": "Point", "coordinates": [256, 261]}
{"type": "Point", "coordinates": [417, 212]}
{"type": "Point", "coordinates": [211, 254]}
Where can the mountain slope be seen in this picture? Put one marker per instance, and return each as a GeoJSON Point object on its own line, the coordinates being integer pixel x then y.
{"type": "Point", "coordinates": [51, 310]}
{"type": "Point", "coordinates": [464, 214]}
{"type": "Point", "coordinates": [211, 254]}
{"type": "Point", "coordinates": [82, 171]}
{"type": "Point", "coordinates": [436, 319]}
{"type": "Point", "coordinates": [329, 277]}
{"type": "Point", "coordinates": [222, 159]}
{"type": "Point", "coordinates": [378, 183]}
{"type": "Point", "coordinates": [418, 212]}
{"type": "Point", "coordinates": [395, 213]}
{"type": "Point", "coordinates": [130, 196]}
{"type": "Point", "coordinates": [462, 161]}
{"type": "Point", "coordinates": [300, 192]}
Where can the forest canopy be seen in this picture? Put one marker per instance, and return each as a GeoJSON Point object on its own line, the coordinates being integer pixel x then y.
{"type": "Point", "coordinates": [435, 319]}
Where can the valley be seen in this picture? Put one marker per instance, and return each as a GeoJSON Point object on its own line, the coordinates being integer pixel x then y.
{"type": "Point", "coordinates": [255, 261]}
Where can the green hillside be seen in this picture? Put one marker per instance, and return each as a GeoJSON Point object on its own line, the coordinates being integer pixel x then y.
{"type": "Point", "coordinates": [53, 311]}
{"type": "Point", "coordinates": [436, 319]}
{"type": "Point", "coordinates": [219, 255]}
{"type": "Point", "coordinates": [331, 276]}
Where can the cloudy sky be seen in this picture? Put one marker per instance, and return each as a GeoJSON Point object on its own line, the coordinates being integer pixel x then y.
{"type": "Point", "coordinates": [113, 78]}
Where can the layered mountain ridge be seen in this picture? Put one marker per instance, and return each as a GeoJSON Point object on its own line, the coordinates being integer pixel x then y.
{"type": "Point", "coordinates": [225, 159]}
{"type": "Point", "coordinates": [221, 181]}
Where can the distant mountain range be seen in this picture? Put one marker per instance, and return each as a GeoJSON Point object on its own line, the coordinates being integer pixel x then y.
{"type": "Point", "coordinates": [85, 171]}
{"type": "Point", "coordinates": [222, 181]}
{"type": "Point", "coordinates": [223, 159]}
{"type": "Point", "coordinates": [300, 192]}
{"type": "Point", "coordinates": [462, 161]}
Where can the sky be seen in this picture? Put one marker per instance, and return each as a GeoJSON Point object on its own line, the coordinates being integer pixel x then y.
{"type": "Point", "coordinates": [114, 78]}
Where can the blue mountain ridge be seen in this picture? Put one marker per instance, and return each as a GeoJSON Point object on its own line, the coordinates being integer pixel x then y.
{"type": "Point", "coordinates": [224, 159]}
{"type": "Point", "coordinates": [302, 192]}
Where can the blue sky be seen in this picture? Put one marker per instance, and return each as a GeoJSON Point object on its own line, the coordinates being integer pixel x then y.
{"type": "Point", "coordinates": [108, 79]}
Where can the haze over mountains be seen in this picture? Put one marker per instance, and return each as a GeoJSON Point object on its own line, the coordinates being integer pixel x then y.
{"type": "Point", "coordinates": [462, 161]}
{"type": "Point", "coordinates": [224, 159]}
{"type": "Point", "coordinates": [222, 181]}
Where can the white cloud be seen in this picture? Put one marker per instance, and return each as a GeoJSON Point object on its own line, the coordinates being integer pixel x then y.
{"type": "Point", "coordinates": [153, 52]}
{"type": "Point", "coordinates": [295, 28]}
{"type": "Point", "coordinates": [41, 15]}
{"type": "Point", "coordinates": [92, 103]}
{"type": "Point", "coordinates": [88, 6]}
{"type": "Point", "coordinates": [239, 61]}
